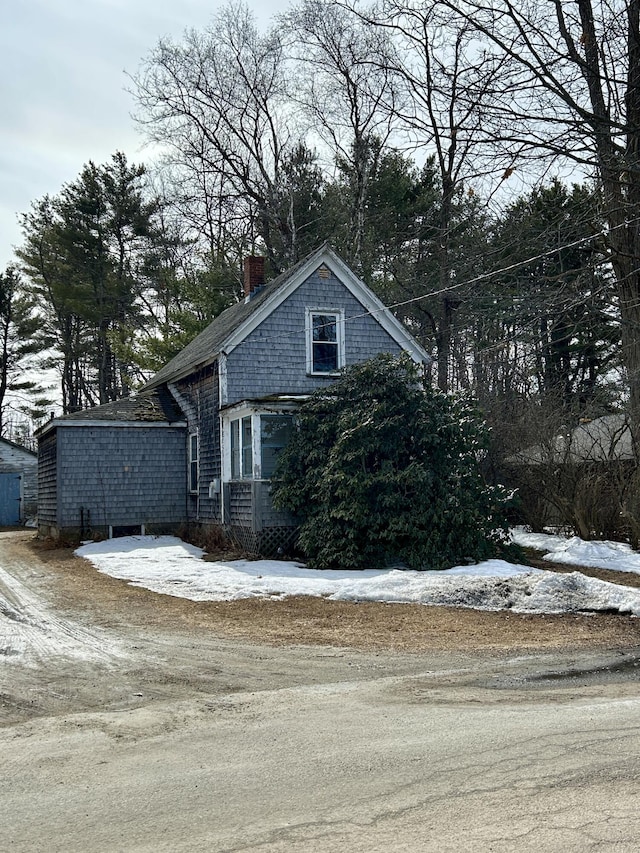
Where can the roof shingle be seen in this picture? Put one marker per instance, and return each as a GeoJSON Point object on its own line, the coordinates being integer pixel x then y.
{"type": "Point", "coordinates": [153, 406]}
{"type": "Point", "coordinates": [206, 346]}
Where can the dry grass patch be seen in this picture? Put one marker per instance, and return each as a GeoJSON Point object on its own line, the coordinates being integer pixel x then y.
{"type": "Point", "coordinates": [316, 621]}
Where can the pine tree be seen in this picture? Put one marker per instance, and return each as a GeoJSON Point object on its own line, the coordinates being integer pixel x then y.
{"type": "Point", "coordinates": [85, 252]}
{"type": "Point", "coordinates": [20, 342]}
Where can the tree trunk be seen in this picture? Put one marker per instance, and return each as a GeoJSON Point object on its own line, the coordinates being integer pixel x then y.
{"type": "Point", "coordinates": [445, 329]}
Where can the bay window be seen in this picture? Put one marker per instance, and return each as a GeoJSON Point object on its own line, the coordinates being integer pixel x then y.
{"type": "Point", "coordinates": [254, 441]}
{"type": "Point", "coordinates": [241, 449]}
{"type": "Point", "coordinates": [275, 432]}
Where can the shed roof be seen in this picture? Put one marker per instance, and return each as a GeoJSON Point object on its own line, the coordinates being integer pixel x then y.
{"type": "Point", "coordinates": [153, 406]}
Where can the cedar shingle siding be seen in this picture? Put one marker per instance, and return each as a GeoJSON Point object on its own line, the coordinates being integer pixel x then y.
{"type": "Point", "coordinates": [272, 359]}
{"type": "Point", "coordinates": [126, 464]}
{"type": "Point", "coordinates": [200, 394]}
{"type": "Point", "coordinates": [47, 480]}
{"type": "Point", "coordinates": [121, 476]}
{"type": "Point", "coordinates": [92, 478]}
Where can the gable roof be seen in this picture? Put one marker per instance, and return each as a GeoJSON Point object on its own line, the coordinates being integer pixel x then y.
{"type": "Point", "coordinates": [231, 327]}
{"type": "Point", "coordinates": [19, 448]}
{"type": "Point", "coordinates": [604, 439]}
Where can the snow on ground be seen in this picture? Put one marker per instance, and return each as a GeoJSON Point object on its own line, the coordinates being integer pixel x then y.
{"type": "Point", "coordinates": [167, 565]}
{"type": "Point", "coordinates": [616, 556]}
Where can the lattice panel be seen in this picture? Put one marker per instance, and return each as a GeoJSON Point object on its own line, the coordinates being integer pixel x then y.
{"type": "Point", "coordinates": [243, 538]}
{"type": "Point", "coordinates": [270, 542]}
{"type": "Point", "coordinates": [277, 541]}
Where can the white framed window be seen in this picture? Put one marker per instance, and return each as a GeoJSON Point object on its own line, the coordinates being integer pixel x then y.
{"type": "Point", "coordinates": [241, 440]}
{"type": "Point", "coordinates": [325, 341]}
{"type": "Point", "coordinates": [193, 462]}
{"type": "Point", "coordinates": [234, 438]}
{"type": "Point", "coordinates": [252, 442]}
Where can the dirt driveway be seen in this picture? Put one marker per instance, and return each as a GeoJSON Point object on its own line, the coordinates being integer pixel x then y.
{"type": "Point", "coordinates": [131, 721]}
{"type": "Point", "coordinates": [104, 644]}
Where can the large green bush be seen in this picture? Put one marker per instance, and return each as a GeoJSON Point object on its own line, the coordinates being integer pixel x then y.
{"type": "Point", "coordinates": [383, 469]}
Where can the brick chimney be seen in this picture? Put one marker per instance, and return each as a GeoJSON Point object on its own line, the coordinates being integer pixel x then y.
{"type": "Point", "coordinates": [253, 270]}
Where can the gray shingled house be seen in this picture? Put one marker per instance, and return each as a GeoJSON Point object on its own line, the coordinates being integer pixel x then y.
{"type": "Point", "coordinates": [199, 443]}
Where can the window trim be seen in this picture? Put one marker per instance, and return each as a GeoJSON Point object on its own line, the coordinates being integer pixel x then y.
{"type": "Point", "coordinates": [235, 449]}
{"type": "Point", "coordinates": [238, 414]}
{"type": "Point", "coordinates": [193, 490]}
{"type": "Point", "coordinates": [227, 418]}
{"type": "Point", "coordinates": [247, 448]}
{"type": "Point", "coordinates": [338, 313]}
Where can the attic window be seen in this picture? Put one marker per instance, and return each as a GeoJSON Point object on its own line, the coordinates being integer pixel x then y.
{"type": "Point", "coordinates": [324, 272]}
{"type": "Point", "coordinates": [325, 342]}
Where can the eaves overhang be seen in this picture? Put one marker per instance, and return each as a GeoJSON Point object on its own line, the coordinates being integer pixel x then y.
{"type": "Point", "coordinates": [325, 256]}
{"type": "Point", "coordinates": [103, 424]}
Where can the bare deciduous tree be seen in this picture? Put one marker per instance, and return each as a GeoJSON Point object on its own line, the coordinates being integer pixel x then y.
{"type": "Point", "coordinates": [571, 92]}
{"type": "Point", "coordinates": [442, 80]}
{"type": "Point", "coordinates": [347, 94]}
{"type": "Point", "coordinates": [216, 101]}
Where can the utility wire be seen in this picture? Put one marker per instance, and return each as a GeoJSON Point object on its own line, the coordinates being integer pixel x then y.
{"type": "Point", "coordinates": [486, 276]}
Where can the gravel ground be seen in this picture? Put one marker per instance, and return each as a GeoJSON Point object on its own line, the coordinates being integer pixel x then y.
{"type": "Point", "coordinates": [141, 722]}
{"type": "Point", "coordinates": [76, 640]}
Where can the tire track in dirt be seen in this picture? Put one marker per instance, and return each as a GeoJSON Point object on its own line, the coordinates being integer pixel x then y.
{"type": "Point", "coordinates": [31, 633]}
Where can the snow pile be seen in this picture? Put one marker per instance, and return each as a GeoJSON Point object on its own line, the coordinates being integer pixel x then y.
{"type": "Point", "coordinates": [166, 565]}
{"type": "Point", "coordinates": [616, 556]}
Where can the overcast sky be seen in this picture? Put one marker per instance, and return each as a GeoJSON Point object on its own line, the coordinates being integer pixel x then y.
{"type": "Point", "coordinates": [63, 67]}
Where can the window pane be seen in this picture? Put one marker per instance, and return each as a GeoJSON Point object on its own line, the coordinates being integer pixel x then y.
{"type": "Point", "coordinates": [275, 432]}
{"type": "Point", "coordinates": [235, 450]}
{"type": "Point", "coordinates": [324, 343]}
{"type": "Point", "coordinates": [247, 449]}
{"type": "Point", "coordinates": [324, 328]}
{"type": "Point", "coordinates": [325, 358]}
{"type": "Point", "coordinates": [193, 462]}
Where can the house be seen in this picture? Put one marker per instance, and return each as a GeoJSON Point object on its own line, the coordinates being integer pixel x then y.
{"type": "Point", "coordinates": [18, 483]}
{"type": "Point", "coordinates": [603, 439]}
{"type": "Point", "coordinates": [584, 479]}
{"type": "Point", "coordinates": [199, 443]}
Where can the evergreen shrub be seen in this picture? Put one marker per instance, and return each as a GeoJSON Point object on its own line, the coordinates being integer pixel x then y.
{"type": "Point", "coordinates": [384, 469]}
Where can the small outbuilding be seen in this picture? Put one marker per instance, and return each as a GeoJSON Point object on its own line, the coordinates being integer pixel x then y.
{"type": "Point", "coordinates": [115, 469]}
{"type": "Point", "coordinates": [18, 483]}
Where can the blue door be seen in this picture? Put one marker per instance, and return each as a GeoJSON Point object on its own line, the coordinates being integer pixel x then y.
{"type": "Point", "coordinates": [9, 499]}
